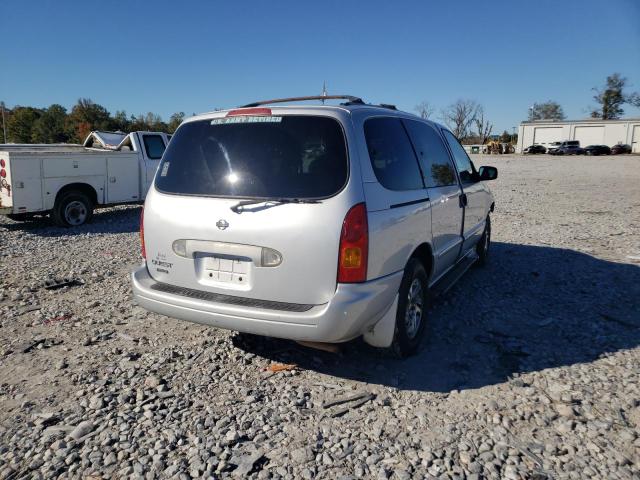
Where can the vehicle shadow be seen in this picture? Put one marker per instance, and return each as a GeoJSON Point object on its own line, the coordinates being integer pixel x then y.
{"type": "Point", "coordinates": [122, 219]}
{"type": "Point", "coordinates": [529, 309]}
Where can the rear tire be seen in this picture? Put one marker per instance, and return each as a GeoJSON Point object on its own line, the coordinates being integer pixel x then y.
{"type": "Point", "coordinates": [482, 248]}
{"type": "Point", "coordinates": [413, 304]}
{"type": "Point", "coordinates": [72, 209]}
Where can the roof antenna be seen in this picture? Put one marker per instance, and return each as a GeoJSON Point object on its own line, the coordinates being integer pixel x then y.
{"type": "Point", "coordinates": [324, 91]}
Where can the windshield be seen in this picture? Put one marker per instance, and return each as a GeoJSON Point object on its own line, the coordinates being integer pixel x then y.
{"type": "Point", "coordinates": [289, 156]}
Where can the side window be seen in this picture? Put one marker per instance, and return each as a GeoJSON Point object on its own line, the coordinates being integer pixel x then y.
{"type": "Point", "coordinates": [391, 154]}
{"type": "Point", "coordinates": [462, 160]}
{"type": "Point", "coordinates": [433, 155]}
{"type": "Point", "coordinates": [154, 146]}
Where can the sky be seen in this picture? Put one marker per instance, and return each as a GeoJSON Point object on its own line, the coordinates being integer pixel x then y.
{"type": "Point", "coordinates": [195, 56]}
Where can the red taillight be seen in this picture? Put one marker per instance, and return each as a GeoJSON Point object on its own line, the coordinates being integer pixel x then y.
{"type": "Point", "coordinates": [249, 111]}
{"type": "Point", "coordinates": [3, 173]}
{"type": "Point", "coordinates": [143, 250]}
{"type": "Point", "coordinates": [2, 163]}
{"type": "Point", "coordinates": [354, 246]}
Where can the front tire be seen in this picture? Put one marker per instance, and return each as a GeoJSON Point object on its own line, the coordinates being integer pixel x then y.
{"type": "Point", "coordinates": [413, 303]}
{"type": "Point", "coordinates": [72, 209]}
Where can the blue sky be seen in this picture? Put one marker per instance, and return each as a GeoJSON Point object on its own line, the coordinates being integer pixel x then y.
{"type": "Point", "coordinates": [193, 56]}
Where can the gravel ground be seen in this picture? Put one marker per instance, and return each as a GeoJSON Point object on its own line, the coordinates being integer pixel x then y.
{"type": "Point", "coordinates": [530, 369]}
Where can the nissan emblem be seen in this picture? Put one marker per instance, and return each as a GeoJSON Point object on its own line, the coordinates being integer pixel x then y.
{"type": "Point", "coordinates": [222, 224]}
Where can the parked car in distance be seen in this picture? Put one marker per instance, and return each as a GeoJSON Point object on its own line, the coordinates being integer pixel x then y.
{"type": "Point", "coordinates": [620, 148]}
{"type": "Point", "coordinates": [568, 147]}
{"type": "Point", "coordinates": [569, 150]}
{"type": "Point", "coordinates": [533, 149]}
{"type": "Point", "coordinates": [597, 150]}
{"type": "Point", "coordinates": [552, 146]}
{"type": "Point", "coordinates": [317, 223]}
{"type": "Point", "coordinates": [558, 145]}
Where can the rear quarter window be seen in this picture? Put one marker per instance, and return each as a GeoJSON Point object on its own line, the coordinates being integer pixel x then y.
{"type": "Point", "coordinates": [392, 158]}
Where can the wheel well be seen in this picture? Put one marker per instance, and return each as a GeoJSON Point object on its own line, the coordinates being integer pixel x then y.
{"type": "Point", "coordinates": [425, 255]}
{"type": "Point", "coordinates": [85, 188]}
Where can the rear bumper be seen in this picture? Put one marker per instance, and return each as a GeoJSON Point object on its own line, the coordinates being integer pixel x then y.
{"type": "Point", "coordinates": [353, 308]}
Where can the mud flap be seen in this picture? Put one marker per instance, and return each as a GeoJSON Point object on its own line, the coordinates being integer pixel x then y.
{"type": "Point", "coordinates": [381, 334]}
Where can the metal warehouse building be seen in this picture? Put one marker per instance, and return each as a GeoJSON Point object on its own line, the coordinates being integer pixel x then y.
{"type": "Point", "coordinates": [588, 132]}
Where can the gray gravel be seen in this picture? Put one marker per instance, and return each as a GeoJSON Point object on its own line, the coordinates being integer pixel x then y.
{"type": "Point", "coordinates": [530, 369]}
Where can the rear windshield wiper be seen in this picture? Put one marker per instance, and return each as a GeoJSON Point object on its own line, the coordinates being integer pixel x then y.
{"type": "Point", "coordinates": [240, 206]}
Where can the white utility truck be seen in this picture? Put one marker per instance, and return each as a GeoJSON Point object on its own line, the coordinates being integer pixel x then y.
{"type": "Point", "coordinates": [69, 181]}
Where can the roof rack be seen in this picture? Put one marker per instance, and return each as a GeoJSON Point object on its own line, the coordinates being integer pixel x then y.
{"type": "Point", "coordinates": [351, 100]}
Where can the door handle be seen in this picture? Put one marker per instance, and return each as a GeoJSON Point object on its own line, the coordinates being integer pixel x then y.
{"type": "Point", "coordinates": [463, 200]}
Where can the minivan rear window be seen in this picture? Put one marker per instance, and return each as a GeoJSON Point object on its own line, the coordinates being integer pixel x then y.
{"type": "Point", "coordinates": [289, 156]}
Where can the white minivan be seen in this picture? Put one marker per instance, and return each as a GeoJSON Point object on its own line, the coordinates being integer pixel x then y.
{"type": "Point", "coordinates": [312, 223]}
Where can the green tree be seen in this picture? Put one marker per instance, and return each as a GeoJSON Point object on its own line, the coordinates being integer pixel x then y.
{"type": "Point", "coordinates": [50, 127]}
{"type": "Point", "coordinates": [20, 124]}
{"type": "Point", "coordinates": [175, 120]}
{"type": "Point", "coordinates": [611, 98]}
{"type": "Point", "coordinates": [86, 116]}
{"type": "Point", "coordinates": [139, 123]}
{"type": "Point", "coordinates": [120, 122]}
{"type": "Point", "coordinates": [155, 122]}
{"type": "Point", "coordinates": [148, 122]}
{"type": "Point", "coordinates": [548, 110]}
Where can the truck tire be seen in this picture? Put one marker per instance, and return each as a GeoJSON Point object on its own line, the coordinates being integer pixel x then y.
{"type": "Point", "coordinates": [413, 304]}
{"type": "Point", "coordinates": [72, 209]}
{"type": "Point", "coordinates": [482, 248]}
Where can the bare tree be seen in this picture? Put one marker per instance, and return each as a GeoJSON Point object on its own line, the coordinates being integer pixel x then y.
{"type": "Point", "coordinates": [425, 109]}
{"type": "Point", "coordinates": [459, 116]}
{"type": "Point", "coordinates": [484, 126]}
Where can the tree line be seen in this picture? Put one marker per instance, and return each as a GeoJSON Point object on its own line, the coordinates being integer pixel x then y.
{"type": "Point", "coordinates": [55, 124]}
{"type": "Point", "coordinates": [466, 117]}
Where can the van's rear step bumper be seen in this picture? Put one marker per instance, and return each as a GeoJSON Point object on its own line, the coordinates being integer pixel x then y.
{"type": "Point", "coordinates": [230, 299]}
{"type": "Point", "coordinates": [353, 308]}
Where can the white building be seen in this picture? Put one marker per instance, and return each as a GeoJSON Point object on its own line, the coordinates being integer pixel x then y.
{"type": "Point", "coordinates": [588, 132]}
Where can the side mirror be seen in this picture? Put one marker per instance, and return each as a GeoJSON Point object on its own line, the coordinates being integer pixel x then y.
{"type": "Point", "coordinates": [488, 173]}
